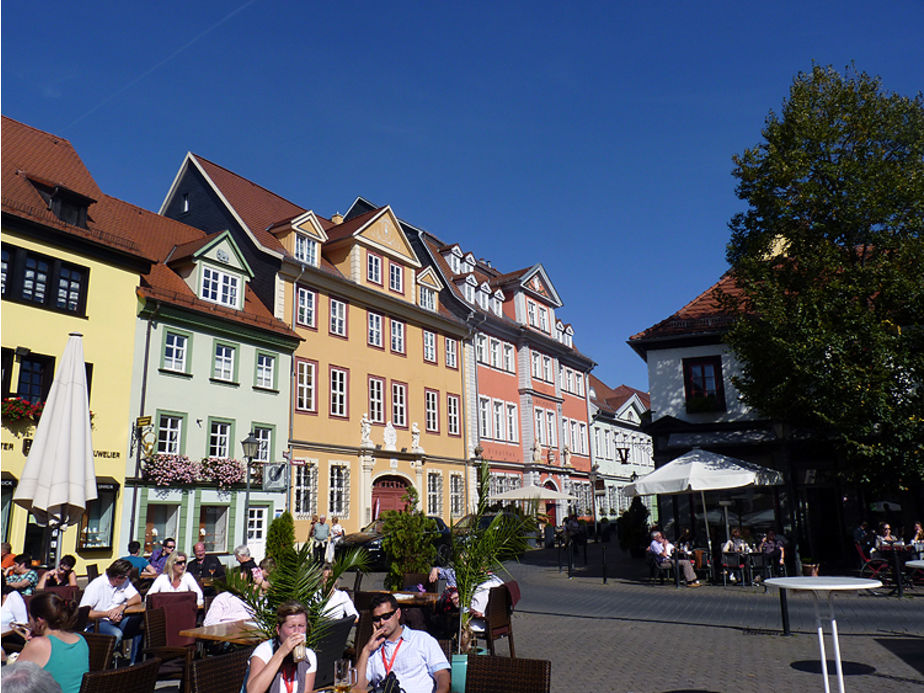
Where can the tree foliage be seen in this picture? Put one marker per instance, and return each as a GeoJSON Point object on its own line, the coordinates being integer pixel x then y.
{"type": "Point", "coordinates": [280, 537]}
{"type": "Point", "coordinates": [408, 541]}
{"type": "Point", "coordinates": [829, 260]}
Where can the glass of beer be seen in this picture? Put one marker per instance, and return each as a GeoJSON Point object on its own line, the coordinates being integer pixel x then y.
{"type": "Point", "coordinates": [299, 652]}
{"type": "Point", "coordinates": [344, 676]}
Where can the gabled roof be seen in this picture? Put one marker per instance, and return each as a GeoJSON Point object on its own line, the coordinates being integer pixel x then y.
{"type": "Point", "coordinates": [352, 225]}
{"type": "Point", "coordinates": [256, 208]}
{"type": "Point", "coordinates": [32, 155]}
{"type": "Point", "coordinates": [701, 316]}
{"type": "Point", "coordinates": [613, 399]}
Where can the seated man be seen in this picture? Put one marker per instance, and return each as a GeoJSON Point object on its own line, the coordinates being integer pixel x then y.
{"type": "Point", "coordinates": [135, 558]}
{"type": "Point", "coordinates": [21, 576]}
{"type": "Point", "coordinates": [339, 605]}
{"type": "Point", "coordinates": [412, 657]}
{"type": "Point", "coordinates": [227, 607]}
{"type": "Point", "coordinates": [159, 559]}
{"type": "Point", "coordinates": [662, 549]}
{"type": "Point", "coordinates": [480, 603]}
{"type": "Point", "coordinates": [205, 566]}
{"type": "Point", "coordinates": [108, 596]}
{"type": "Point", "coordinates": [246, 565]}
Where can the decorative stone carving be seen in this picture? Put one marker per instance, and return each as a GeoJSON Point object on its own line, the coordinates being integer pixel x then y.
{"type": "Point", "coordinates": [415, 438]}
{"type": "Point", "coordinates": [366, 429]}
{"type": "Point", "coordinates": [391, 437]}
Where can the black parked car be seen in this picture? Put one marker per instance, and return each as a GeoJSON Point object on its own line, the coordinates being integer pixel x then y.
{"type": "Point", "coordinates": [370, 539]}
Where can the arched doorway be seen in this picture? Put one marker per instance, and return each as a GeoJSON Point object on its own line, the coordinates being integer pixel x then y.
{"type": "Point", "coordinates": [551, 508]}
{"type": "Point", "coordinates": [387, 492]}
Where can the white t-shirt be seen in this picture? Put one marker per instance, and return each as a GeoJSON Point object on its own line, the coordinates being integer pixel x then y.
{"type": "Point", "coordinates": [187, 584]}
{"type": "Point", "coordinates": [13, 611]}
{"type": "Point", "coordinates": [264, 652]}
{"type": "Point", "coordinates": [227, 607]}
{"type": "Point", "coordinates": [480, 601]}
{"type": "Point", "coordinates": [340, 606]}
{"type": "Point", "coordinates": [101, 595]}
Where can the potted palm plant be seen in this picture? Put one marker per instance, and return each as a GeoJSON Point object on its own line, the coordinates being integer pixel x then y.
{"type": "Point", "coordinates": [476, 555]}
{"type": "Point", "coordinates": [296, 576]}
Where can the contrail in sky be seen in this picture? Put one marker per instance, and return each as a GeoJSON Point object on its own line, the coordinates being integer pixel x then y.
{"type": "Point", "coordinates": [161, 63]}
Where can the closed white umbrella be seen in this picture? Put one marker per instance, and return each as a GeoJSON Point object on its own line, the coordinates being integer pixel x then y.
{"type": "Point", "coordinates": [531, 492]}
{"type": "Point", "coordinates": [59, 477]}
{"type": "Point", "coordinates": [701, 470]}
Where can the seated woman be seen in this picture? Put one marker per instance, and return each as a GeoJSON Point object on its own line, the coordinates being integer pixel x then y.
{"type": "Point", "coordinates": [339, 605]}
{"type": "Point", "coordinates": [885, 536]}
{"type": "Point", "coordinates": [735, 544]}
{"type": "Point", "coordinates": [14, 617]}
{"type": "Point", "coordinates": [176, 579]}
{"type": "Point", "coordinates": [276, 665]}
{"type": "Point", "coordinates": [54, 645]}
{"type": "Point", "coordinates": [61, 576]}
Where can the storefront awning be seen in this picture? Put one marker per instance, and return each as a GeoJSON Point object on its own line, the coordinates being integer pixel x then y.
{"type": "Point", "coordinates": [107, 483]}
{"type": "Point", "coordinates": [7, 479]}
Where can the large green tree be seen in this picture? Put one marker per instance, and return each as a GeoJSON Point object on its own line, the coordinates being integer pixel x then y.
{"type": "Point", "coordinates": [829, 260]}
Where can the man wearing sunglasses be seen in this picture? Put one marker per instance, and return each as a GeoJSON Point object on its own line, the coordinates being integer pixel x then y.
{"type": "Point", "coordinates": [159, 558]}
{"type": "Point", "coordinates": [413, 657]}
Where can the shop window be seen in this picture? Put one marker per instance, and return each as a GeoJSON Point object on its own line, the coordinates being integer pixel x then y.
{"type": "Point", "coordinates": [213, 528]}
{"type": "Point", "coordinates": [160, 523]}
{"type": "Point", "coordinates": [97, 522]}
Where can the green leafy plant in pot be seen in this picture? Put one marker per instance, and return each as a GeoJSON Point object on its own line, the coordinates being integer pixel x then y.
{"type": "Point", "coordinates": [296, 576]}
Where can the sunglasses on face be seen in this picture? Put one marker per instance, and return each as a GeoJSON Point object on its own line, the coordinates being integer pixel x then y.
{"type": "Point", "coordinates": [170, 547]}
{"type": "Point", "coordinates": [383, 617]}
{"type": "Point", "coordinates": [179, 563]}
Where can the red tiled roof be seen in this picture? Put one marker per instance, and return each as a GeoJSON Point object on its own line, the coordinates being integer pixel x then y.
{"type": "Point", "coordinates": [29, 153]}
{"type": "Point", "coordinates": [349, 227]}
{"type": "Point", "coordinates": [183, 250]}
{"type": "Point", "coordinates": [614, 398]}
{"type": "Point", "coordinates": [702, 315]}
{"type": "Point", "coordinates": [259, 208]}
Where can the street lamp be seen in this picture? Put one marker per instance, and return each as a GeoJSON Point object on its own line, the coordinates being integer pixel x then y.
{"type": "Point", "coordinates": [251, 445]}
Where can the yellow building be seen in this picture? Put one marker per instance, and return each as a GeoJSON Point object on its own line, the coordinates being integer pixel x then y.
{"type": "Point", "coordinates": [379, 380]}
{"type": "Point", "coordinates": [64, 270]}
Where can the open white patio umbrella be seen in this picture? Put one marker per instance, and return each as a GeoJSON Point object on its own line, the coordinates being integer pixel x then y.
{"type": "Point", "coordinates": [701, 470]}
{"type": "Point", "coordinates": [59, 477]}
{"type": "Point", "coordinates": [531, 492]}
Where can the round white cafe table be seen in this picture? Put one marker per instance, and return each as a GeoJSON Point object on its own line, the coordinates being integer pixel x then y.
{"type": "Point", "coordinates": [825, 586]}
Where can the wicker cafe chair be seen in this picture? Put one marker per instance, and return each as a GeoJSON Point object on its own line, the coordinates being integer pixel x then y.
{"type": "Point", "coordinates": [330, 649]}
{"type": "Point", "coordinates": [101, 648]}
{"type": "Point", "coordinates": [411, 580]}
{"type": "Point", "coordinates": [140, 678]}
{"type": "Point", "coordinates": [92, 572]}
{"type": "Point", "coordinates": [176, 661]}
{"type": "Point", "coordinates": [497, 617]}
{"type": "Point", "coordinates": [222, 673]}
{"type": "Point", "coordinates": [488, 674]}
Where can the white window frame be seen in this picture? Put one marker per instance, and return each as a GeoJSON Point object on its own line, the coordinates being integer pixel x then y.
{"type": "Point", "coordinates": [543, 318]}
{"type": "Point", "coordinates": [397, 336]}
{"type": "Point", "coordinates": [219, 439]}
{"type": "Point", "coordinates": [509, 358]}
{"type": "Point", "coordinates": [547, 374]}
{"type": "Point", "coordinates": [452, 414]}
{"type": "Point", "coordinates": [338, 312]}
{"type": "Point", "coordinates": [484, 417]}
{"type": "Point", "coordinates": [495, 353]}
{"type": "Point", "coordinates": [373, 268]}
{"type": "Point", "coordinates": [306, 249]}
{"type": "Point", "coordinates": [481, 343]}
{"type": "Point", "coordinates": [550, 427]}
{"type": "Point", "coordinates": [536, 361]}
{"type": "Point", "coordinates": [539, 415]}
{"type": "Point", "coordinates": [220, 287]}
{"type": "Point", "coordinates": [305, 490]}
{"type": "Point", "coordinates": [399, 404]}
{"type": "Point", "coordinates": [376, 399]}
{"type": "Point", "coordinates": [374, 332]}
{"type": "Point", "coordinates": [306, 301]}
{"type": "Point", "coordinates": [429, 346]}
{"type": "Point", "coordinates": [306, 378]}
{"type": "Point", "coordinates": [531, 313]}
{"type": "Point", "coordinates": [223, 357]}
{"type": "Point", "coordinates": [452, 353]}
{"type": "Point", "coordinates": [169, 434]}
{"type": "Point", "coordinates": [395, 277]}
{"type": "Point", "coordinates": [339, 386]}
{"type": "Point", "coordinates": [513, 423]}
{"type": "Point", "coordinates": [427, 298]}
{"type": "Point", "coordinates": [456, 495]}
{"type": "Point", "coordinates": [266, 371]}
{"type": "Point", "coordinates": [339, 490]}
{"type": "Point", "coordinates": [175, 361]}
{"type": "Point", "coordinates": [264, 450]}
{"type": "Point", "coordinates": [432, 411]}
{"type": "Point", "coordinates": [499, 426]}
{"type": "Point", "coordinates": [434, 493]}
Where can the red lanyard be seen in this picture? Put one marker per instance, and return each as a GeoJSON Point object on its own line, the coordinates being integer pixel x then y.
{"type": "Point", "coordinates": [388, 665]}
{"type": "Point", "coordinates": [290, 683]}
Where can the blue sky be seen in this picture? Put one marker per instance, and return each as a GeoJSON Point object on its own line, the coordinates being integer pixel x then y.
{"type": "Point", "coordinates": [595, 138]}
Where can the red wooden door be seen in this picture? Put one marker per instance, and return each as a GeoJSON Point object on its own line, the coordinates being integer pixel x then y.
{"type": "Point", "coordinates": [387, 492]}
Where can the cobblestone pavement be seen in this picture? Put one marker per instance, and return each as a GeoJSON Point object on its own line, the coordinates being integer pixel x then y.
{"type": "Point", "coordinates": [633, 635]}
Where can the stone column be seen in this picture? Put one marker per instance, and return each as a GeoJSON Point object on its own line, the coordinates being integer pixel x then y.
{"type": "Point", "coordinates": [366, 464]}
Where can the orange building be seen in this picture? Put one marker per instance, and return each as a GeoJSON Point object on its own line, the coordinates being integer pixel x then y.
{"type": "Point", "coordinates": [378, 389]}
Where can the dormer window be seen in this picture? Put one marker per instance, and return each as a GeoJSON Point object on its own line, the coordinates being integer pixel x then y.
{"type": "Point", "coordinates": [306, 250]}
{"type": "Point", "coordinates": [69, 206]}
{"type": "Point", "coordinates": [427, 298]}
{"type": "Point", "coordinates": [483, 299]}
{"type": "Point", "coordinates": [220, 287]}
{"type": "Point", "coordinates": [454, 262]}
{"type": "Point", "coordinates": [497, 305]}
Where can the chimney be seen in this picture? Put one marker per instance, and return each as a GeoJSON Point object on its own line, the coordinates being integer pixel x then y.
{"type": "Point", "coordinates": [337, 218]}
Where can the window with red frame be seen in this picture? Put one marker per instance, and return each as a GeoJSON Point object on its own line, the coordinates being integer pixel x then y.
{"type": "Point", "coordinates": [702, 382]}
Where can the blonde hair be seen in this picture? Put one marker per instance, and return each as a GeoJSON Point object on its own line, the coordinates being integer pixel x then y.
{"type": "Point", "coordinates": [171, 561]}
